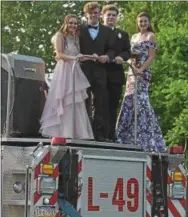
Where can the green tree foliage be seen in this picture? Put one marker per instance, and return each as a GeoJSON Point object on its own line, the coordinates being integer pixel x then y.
{"type": "Point", "coordinates": [28, 27]}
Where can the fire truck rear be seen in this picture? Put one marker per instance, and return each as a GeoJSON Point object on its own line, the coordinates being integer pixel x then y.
{"type": "Point", "coordinates": [90, 179]}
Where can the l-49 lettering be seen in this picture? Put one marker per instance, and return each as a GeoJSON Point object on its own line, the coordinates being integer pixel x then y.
{"type": "Point", "coordinates": [131, 202]}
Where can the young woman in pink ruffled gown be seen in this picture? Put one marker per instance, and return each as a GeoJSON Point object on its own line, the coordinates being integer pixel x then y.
{"type": "Point", "coordinates": [56, 120]}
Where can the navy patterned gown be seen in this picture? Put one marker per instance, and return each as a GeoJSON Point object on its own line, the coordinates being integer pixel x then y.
{"type": "Point", "coordinates": [149, 135]}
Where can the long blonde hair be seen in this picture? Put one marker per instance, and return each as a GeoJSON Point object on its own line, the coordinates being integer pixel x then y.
{"type": "Point", "coordinates": [63, 31]}
{"type": "Point", "coordinates": [64, 28]}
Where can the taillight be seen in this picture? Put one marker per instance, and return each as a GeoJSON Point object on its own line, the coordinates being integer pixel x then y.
{"type": "Point", "coordinates": [177, 176]}
{"type": "Point", "coordinates": [176, 188]}
{"type": "Point", "coordinates": [58, 141]}
{"type": "Point", "coordinates": [178, 191]}
{"type": "Point", "coordinates": [47, 169]}
{"type": "Point", "coordinates": [176, 149]}
{"type": "Point", "coordinates": [46, 185]}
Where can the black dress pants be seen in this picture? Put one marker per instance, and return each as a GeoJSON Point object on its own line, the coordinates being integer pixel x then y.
{"type": "Point", "coordinates": [114, 95]}
{"type": "Point", "coordinates": [97, 103]}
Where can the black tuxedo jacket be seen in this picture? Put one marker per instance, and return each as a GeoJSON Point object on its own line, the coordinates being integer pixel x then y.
{"type": "Point", "coordinates": [121, 47]}
{"type": "Point", "coordinates": [102, 45]}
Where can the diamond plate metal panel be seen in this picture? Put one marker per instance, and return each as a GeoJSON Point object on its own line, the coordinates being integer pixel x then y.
{"type": "Point", "coordinates": [8, 182]}
{"type": "Point", "coordinates": [13, 211]}
{"type": "Point", "coordinates": [15, 157]}
{"type": "Point", "coordinates": [14, 161]}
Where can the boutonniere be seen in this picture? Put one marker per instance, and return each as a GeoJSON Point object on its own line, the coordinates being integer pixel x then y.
{"type": "Point", "coordinates": [119, 35]}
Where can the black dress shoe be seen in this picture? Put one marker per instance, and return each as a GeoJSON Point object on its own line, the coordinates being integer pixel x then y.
{"type": "Point", "coordinates": [100, 139]}
{"type": "Point", "coordinates": [109, 140]}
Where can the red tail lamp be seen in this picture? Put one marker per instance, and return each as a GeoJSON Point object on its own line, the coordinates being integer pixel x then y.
{"type": "Point", "coordinates": [176, 149]}
{"type": "Point", "coordinates": [58, 141]}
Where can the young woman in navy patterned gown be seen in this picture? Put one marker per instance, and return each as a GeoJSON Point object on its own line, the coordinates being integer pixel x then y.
{"type": "Point", "coordinates": [149, 135]}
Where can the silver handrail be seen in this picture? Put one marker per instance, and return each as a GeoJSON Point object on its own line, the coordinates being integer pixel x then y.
{"type": "Point", "coordinates": [8, 96]}
{"type": "Point", "coordinates": [135, 98]}
{"type": "Point", "coordinates": [73, 100]}
{"type": "Point", "coordinates": [136, 109]}
{"type": "Point", "coordinates": [73, 94]}
{"type": "Point", "coordinates": [26, 191]}
{"type": "Point", "coordinates": [32, 154]}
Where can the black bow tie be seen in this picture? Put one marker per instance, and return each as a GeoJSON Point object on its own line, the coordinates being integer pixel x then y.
{"type": "Point", "coordinates": [92, 27]}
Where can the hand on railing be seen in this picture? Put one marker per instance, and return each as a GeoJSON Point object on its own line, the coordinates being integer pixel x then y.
{"type": "Point", "coordinates": [123, 62]}
{"type": "Point", "coordinates": [136, 68]}
{"type": "Point", "coordinates": [137, 71]}
{"type": "Point", "coordinates": [103, 59]}
{"type": "Point", "coordinates": [57, 58]}
{"type": "Point", "coordinates": [95, 57]}
{"type": "Point", "coordinates": [118, 60]}
{"type": "Point", "coordinates": [81, 57]}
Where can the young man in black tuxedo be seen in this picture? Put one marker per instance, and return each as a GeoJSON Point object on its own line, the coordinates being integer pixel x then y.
{"type": "Point", "coordinates": [115, 71]}
{"type": "Point", "coordinates": [97, 40]}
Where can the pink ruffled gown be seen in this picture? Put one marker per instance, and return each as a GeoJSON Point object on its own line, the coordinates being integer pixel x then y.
{"type": "Point", "coordinates": [56, 120]}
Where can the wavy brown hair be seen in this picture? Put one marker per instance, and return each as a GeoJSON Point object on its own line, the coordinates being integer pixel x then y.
{"type": "Point", "coordinates": [144, 14]}
{"type": "Point", "coordinates": [64, 28]}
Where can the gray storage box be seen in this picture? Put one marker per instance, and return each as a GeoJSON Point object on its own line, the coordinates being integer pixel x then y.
{"type": "Point", "coordinates": [22, 100]}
